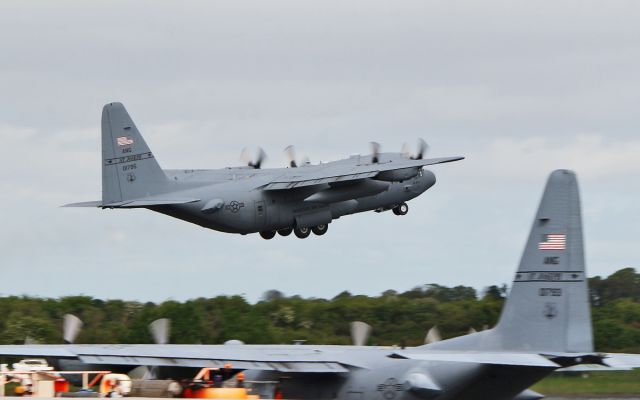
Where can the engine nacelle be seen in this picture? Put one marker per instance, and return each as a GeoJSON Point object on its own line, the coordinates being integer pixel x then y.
{"type": "Point", "coordinates": [397, 175]}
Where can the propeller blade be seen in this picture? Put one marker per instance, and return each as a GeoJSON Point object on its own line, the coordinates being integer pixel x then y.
{"type": "Point", "coordinates": [245, 157]}
{"type": "Point", "coordinates": [405, 150]}
{"type": "Point", "coordinates": [30, 340]}
{"type": "Point", "coordinates": [261, 156]}
{"type": "Point", "coordinates": [360, 332]}
{"type": "Point", "coordinates": [141, 372]}
{"type": "Point", "coordinates": [254, 162]}
{"type": "Point", "coordinates": [433, 335]}
{"type": "Point", "coordinates": [71, 327]}
{"type": "Point", "coordinates": [423, 147]}
{"type": "Point", "coordinates": [160, 330]}
{"type": "Point", "coordinates": [290, 151]}
{"type": "Point", "coordinates": [375, 152]}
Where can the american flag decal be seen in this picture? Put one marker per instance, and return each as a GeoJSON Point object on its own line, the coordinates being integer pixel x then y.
{"type": "Point", "coordinates": [124, 141]}
{"type": "Point", "coordinates": [553, 241]}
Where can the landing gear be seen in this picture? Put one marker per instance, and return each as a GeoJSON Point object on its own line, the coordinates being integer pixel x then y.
{"type": "Point", "coordinates": [267, 234]}
{"type": "Point", "coordinates": [285, 231]}
{"type": "Point", "coordinates": [401, 209]}
{"type": "Point", "coordinates": [320, 229]}
{"type": "Point", "coordinates": [302, 233]}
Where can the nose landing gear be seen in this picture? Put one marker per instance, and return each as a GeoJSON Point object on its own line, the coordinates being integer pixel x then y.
{"type": "Point", "coordinates": [401, 209]}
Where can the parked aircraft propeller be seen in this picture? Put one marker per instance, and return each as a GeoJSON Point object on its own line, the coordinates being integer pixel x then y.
{"type": "Point", "coordinates": [360, 332]}
{"type": "Point", "coordinates": [71, 327]}
{"type": "Point", "coordinates": [160, 330]}
{"type": "Point", "coordinates": [433, 335]}
{"type": "Point", "coordinates": [254, 161]}
{"type": "Point", "coordinates": [30, 340]}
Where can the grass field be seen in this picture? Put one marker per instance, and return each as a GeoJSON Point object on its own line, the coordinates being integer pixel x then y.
{"type": "Point", "coordinates": [597, 383]}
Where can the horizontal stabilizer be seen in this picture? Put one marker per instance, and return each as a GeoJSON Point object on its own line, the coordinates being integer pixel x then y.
{"type": "Point", "coordinates": [85, 204]}
{"type": "Point", "coordinates": [142, 203]}
{"type": "Point", "coordinates": [135, 203]}
{"type": "Point", "coordinates": [520, 359]}
{"type": "Point", "coordinates": [622, 361]}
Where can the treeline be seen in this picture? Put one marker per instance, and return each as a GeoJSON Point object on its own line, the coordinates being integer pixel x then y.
{"type": "Point", "coordinates": [397, 318]}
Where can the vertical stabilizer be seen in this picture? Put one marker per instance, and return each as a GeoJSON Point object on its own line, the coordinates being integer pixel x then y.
{"type": "Point", "coordinates": [548, 307]}
{"type": "Point", "coordinates": [129, 170]}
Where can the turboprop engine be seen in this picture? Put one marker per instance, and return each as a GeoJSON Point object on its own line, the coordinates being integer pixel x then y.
{"type": "Point", "coordinates": [398, 175]}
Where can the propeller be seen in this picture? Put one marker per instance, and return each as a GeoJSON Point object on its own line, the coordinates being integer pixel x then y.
{"type": "Point", "coordinates": [290, 152]}
{"type": "Point", "coordinates": [71, 327]}
{"type": "Point", "coordinates": [423, 148]}
{"type": "Point", "coordinates": [30, 340]}
{"type": "Point", "coordinates": [360, 332]}
{"type": "Point", "coordinates": [375, 152]}
{"type": "Point", "coordinates": [160, 330]}
{"type": "Point", "coordinates": [257, 159]}
{"type": "Point", "coordinates": [433, 335]}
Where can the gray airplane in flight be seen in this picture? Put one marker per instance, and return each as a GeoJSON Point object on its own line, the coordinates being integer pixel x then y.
{"type": "Point", "coordinates": [301, 199]}
{"type": "Point", "coordinates": [545, 325]}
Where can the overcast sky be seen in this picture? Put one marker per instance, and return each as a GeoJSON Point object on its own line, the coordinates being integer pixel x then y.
{"type": "Point", "coordinates": [518, 87]}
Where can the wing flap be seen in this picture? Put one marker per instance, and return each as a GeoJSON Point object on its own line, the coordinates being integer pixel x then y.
{"type": "Point", "coordinates": [281, 366]}
{"type": "Point", "coordinates": [295, 183]}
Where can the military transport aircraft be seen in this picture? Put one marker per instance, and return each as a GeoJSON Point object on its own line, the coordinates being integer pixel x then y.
{"type": "Point", "coordinates": [545, 325]}
{"type": "Point", "coordinates": [301, 198]}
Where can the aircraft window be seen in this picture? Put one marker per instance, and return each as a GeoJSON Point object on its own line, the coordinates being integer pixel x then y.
{"type": "Point", "coordinates": [260, 208]}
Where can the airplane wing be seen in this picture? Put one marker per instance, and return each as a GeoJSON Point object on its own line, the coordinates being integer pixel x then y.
{"type": "Point", "coordinates": [300, 177]}
{"type": "Point", "coordinates": [255, 357]}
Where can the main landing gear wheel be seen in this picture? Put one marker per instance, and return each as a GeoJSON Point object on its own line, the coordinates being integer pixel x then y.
{"type": "Point", "coordinates": [285, 231]}
{"type": "Point", "coordinates": [268, 234]}
{"type": "Point", "coordinates": [302, 233]}
{"type": "Point", "coordinates": [320, 229]}
{"type": "Point", "coordinates": [401, 209]}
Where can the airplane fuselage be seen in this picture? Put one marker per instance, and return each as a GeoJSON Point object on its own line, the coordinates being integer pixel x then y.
{"type": "Point", "coordinates": [231, 201]}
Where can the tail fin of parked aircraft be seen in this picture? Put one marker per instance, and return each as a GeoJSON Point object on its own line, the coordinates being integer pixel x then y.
{"type": "Point", "coordinates": [129, 169]}
{"type": "Point", "coordinates": [548, 307]}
